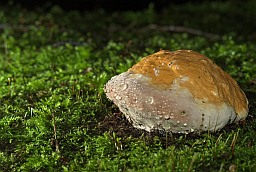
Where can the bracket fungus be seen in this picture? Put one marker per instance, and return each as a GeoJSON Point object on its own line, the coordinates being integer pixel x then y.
{"type": "Point", "coordinates": [180, 92]}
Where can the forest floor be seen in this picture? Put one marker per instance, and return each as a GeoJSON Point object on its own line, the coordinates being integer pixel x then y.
{"type": "Point", "coordinates": [54, 115]}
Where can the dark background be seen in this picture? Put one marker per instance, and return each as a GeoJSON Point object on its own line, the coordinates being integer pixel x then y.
{"type": "Point", "coordinates": [109, 5]}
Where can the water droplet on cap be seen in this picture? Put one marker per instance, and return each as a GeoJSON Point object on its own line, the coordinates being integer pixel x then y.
{"type": "Point", "coordinates": [167, 117]}
{"type": "Point", "coordinates": [214, 93]}
{"type": "Point", "coordinates": [156, 71]}
{"type": "Point", "coordinates": [124, 87]}
{"type": "Point", "coordinates": [118, 97]}
{"type": "Point", "coordinates": [140, 108]}
{"type": "Point", "coordinates": [183, 113]}
{"type": "Point", "coordinates": [150, 100]}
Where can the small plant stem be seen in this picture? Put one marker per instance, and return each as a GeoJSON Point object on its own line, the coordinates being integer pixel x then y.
{"type": "Point", "coordinates": [233, 143]}
{"type": "Point", "coordinates": [55, 134]}
{"type": "Point", "coordinates": [192, 162]}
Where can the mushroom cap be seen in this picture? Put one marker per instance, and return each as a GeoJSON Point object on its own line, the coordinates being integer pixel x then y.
{"type": "Point", "coordinates": [180, 92]}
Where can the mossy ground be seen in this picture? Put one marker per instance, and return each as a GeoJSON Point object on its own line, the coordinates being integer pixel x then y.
{"type": "Point", "coordinates": [54, 115]}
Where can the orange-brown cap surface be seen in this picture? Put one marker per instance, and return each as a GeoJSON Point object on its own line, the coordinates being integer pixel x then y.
{"type": "Point", "coordinates": [207, 81]}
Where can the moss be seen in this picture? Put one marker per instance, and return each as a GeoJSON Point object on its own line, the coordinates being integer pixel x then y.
{"type": "Point", "coordinates": [54, 115]}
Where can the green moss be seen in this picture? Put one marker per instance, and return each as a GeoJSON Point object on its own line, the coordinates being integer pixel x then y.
{"type": "Point", "coordinates": [53, 67]}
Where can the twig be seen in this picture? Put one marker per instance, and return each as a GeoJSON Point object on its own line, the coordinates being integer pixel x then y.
{"type": "Point", "coordinates": [172, 28]}
{"type": "Point", "coordinates": [55, 134]}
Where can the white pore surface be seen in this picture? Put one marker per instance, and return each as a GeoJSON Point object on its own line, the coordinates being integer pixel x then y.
{"type": "Point", "coordinates": [175, 109]}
